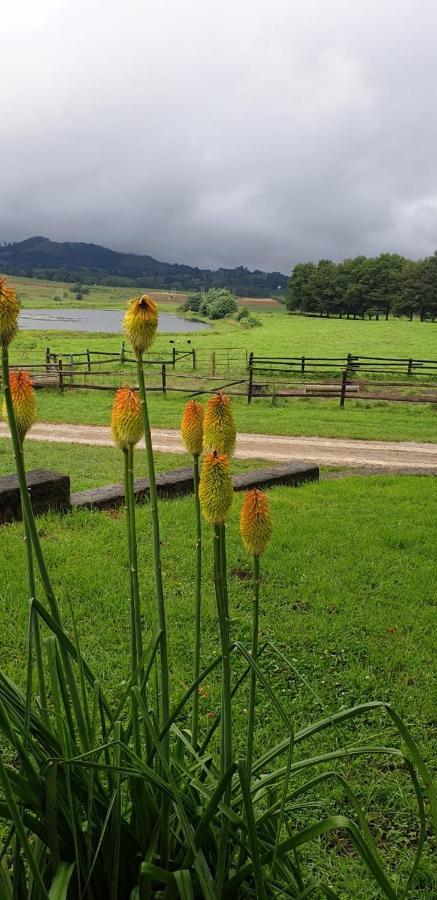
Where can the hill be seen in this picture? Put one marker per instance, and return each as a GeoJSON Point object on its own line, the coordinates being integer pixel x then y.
{"type": "Point", "coordinates": [40, 257]}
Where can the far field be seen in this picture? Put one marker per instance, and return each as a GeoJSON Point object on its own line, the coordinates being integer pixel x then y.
{"type": "Point", "coordinates": [279, 334]}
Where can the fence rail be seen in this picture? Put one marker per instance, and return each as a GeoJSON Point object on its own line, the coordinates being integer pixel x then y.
{"type": "Point", "coordinates": [194, 373]}
{"type": "Point", "coordinates": [355, 363]}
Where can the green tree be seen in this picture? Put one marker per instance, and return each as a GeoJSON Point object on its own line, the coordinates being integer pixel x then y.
{"type": "Point", "coordinates": [301, 294]}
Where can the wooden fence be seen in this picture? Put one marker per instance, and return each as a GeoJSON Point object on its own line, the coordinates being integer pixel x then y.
{"type": "Point", "coordinates": [401, 365]}
{"type": "Point", "coordinates": [395, 379]}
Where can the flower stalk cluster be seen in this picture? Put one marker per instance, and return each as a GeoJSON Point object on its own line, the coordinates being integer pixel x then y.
{"type": "Point", "coordinates": [97, 800]}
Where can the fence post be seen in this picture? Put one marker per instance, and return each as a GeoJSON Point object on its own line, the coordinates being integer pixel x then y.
{"type": "Point", "coordinates": [122, 354]}
{"type": "Point", "coordinates": [410, 366]}
{"type": "Point", "coordinates": [343, 388]}
{"type": "Point", "coordinates": [72, 368]}
{"type": "Point", "coordinates": [174, 357]}
{"type": "Point", "coordinates": [164, 379]}
{"type": "Point", "coordinates": [60, 375]}
{"type": "Point", "coordinates": [88, 360]}
{"type": "Point", "coordinates": [302, 365]}
{"type": "Point", "coordinates": [213, 363]}
{"type": "Point", "coordinates": [47, 359]}
{"type": "Point", "coordinates": [193, 353]}
{"type": "Point", "coordinates": [250, 382]}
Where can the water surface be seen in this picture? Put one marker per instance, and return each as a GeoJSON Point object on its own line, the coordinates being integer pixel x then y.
{"type": "Point", "coordinates": [107, 320]}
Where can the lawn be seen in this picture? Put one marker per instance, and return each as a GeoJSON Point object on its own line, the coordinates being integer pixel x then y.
{"type": "Point", "coordinates": [348, 594]}
{"type": "Point", "coordinates": [90, 467]}
{"type": "Point", "coordinates": [367, 419]}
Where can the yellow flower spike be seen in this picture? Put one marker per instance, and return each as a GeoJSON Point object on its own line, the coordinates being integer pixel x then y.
{"type": "Point", "coordinates": [255, 522]}
{"type": "Point", "coordinates": [192, 427]}
{"type": "Point", "coordinates": [140, 323]}
{"type": "Point", "coordinates": [215, 488]}
{"type": "Point", "coordinates": [23, 399]}
{"type": "Point", "coordinates": [9, 309]}
{"type": "Point", "coordinates": [127, 419]}
{"type": "Point", "coordinates": [219, 432]}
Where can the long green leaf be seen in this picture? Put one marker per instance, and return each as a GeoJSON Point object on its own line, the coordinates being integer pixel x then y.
{"type": "Point", "coordinates": [61, 881]}
{"type": "Point", "coordinates": [333, 823]}
{"type": "Point", "coordinates": [20, 829]}
{"type": "Point", "coordinates": [251, 829]}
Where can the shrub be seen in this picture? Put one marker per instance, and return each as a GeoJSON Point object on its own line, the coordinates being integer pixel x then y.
{"type": "Point", "coordinates": [192, 303]}
{"type": "Point", "coordinates": [215, 303]}
{"type": "Point", "coordinates": [250, 322]}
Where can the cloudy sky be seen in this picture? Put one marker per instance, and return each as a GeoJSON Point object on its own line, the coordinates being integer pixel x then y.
{"type": "Point", "coordinates": [221, 132]}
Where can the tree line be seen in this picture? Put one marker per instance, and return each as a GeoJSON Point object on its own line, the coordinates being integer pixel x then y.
{"type": "Point", "coordinates": [373, 286]}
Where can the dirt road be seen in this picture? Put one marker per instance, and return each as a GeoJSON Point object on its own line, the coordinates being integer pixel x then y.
{"type": "Point", "coordinates": [384, 455]}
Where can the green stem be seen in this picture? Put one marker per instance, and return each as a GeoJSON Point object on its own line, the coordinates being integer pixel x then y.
{"type": "Point", "coordinates": [34, 537]}
{"type": "Point", "coordinates": [25, 500]}
{"type": "Point", "coordinates": [197, 603]}
{"type": "Point", "coordinates": [134, 561]}
{"type": "Point", "coordinates": [134, 660]}
{"type": "Point", "coordinates": [34, 636]}
{"type": "Point", "coordinates": [131, 540]}
{"type": "Point", "coordinates": [254, 652]}
{"type": "Point", "coordinates": [220, 579]}
{"type": "Point", "coordinates": [165, 692]}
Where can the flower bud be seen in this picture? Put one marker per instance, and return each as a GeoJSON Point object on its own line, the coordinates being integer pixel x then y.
{"type": "Point", "coordinates": [215, 488]}
{"type": "Point", "coordinates": [192, 427]}
{"type": "Point", "coordinates": [9, 309]}
{"type": "Point", "coordinates": [140, 323]}
{"type": "Point", "coordinates": [23, 401]}
{"type": "Point", "coordinates": [219, 432]}
{"type": "Point", "coordinates": [255, 523]}
{"type": "Point", "coordinates": [127, 420]}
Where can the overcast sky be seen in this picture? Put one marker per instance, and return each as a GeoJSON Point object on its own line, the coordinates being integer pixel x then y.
{"type": "Point", "coordinates": [221, 132]}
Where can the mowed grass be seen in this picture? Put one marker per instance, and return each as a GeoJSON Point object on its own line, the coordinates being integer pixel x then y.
{"type": "Point", "coordinates": [279, 335]}
{"type": "Point", "coordinates": [348, 595]}
{"type": "Point", "coordinates": [90, 467]}
{"type": "Point", "coordinates": [367, 420]}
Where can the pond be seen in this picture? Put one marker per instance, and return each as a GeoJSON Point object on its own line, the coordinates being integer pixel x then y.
{"type": "Point", "coordinates": [107, 320]}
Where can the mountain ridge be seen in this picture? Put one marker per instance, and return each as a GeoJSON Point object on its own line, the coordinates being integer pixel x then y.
{"type": "Point", "coordinates": [89, 263]}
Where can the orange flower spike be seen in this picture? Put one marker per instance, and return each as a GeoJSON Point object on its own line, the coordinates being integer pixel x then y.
{"type": "Point", "coordinates": [127, 420]}
{"type": "Point", "coordinates": [192, 427]}
{"type": "Point", "coordinates": [255, 522]}
{"type": "Point", "coordinates": [23, 400]}
{"type": "Point", "coordinates": [219, 431]}
{"type": "Point", "coordinates": [215, 488]}
{"type": "Point", "coordinates": [9, 309]}
{"type": "Point", "coordinates": [140, 323]}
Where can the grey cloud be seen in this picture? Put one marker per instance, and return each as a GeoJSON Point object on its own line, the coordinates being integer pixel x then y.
{"type": "Point", "coordinates": [219, 133]}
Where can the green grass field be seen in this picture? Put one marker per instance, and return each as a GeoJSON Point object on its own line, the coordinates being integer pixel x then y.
{"type": "Point", "coordinates": [348, 595]}
{"type": "Point", "coordinates": [366, 420]}
{"type": "Point", "coordinates": [90, 467]}
{"type": "Point", "coordinates": [280, 334]}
